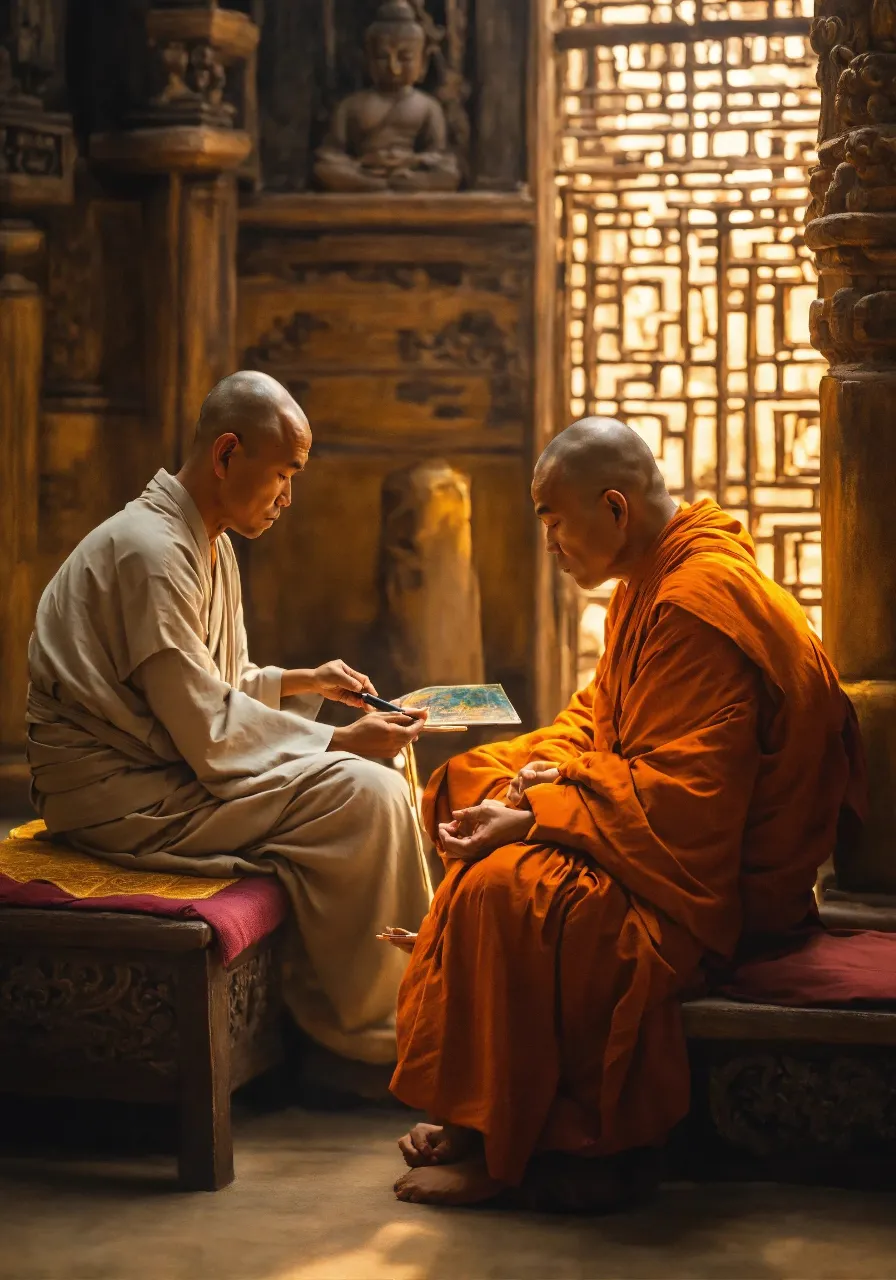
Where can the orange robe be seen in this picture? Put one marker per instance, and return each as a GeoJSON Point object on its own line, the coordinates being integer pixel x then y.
{"type": "Point", "coordinates": [704, 773]}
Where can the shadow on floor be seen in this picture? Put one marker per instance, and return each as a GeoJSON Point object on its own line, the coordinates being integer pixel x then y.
{"type": "Point", "coordinates": [313, 1201]}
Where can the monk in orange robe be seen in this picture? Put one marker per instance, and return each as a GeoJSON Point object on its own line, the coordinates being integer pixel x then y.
{"type": "Point", "coordinates": [676, 811]}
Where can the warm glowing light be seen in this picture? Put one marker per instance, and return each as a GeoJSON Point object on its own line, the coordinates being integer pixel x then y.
{"type": "Point", "coordinates": [697, 156]}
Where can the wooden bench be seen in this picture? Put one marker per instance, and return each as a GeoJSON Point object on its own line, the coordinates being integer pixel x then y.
{"type": "Point", "coordinates": [138, 1008]}
{"type": "Point", "coordinates": [805, 1093]}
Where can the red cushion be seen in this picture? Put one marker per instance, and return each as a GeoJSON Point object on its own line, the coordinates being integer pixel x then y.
{"type": "Point", "coordinates": [827, 967]}
{"type": "Point", "coordinates": [240, 914]}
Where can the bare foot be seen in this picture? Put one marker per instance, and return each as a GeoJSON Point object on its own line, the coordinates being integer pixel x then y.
{"type": "Point", "coordinates": [428, 1144]}
{"type": "Point", "coordinates": [467, 1182]}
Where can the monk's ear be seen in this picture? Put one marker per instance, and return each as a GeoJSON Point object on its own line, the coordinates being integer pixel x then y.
{"type": "Point", "coordinates": [618, 504]}
{"type": "Point", "coordinates": [222, 451]}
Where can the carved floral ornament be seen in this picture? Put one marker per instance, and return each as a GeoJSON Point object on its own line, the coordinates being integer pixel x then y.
{"type": "Point", "coordinates": [97, 1011]}
{"type": "Point", "coordinates": [857, 76]}
{"type": "Point", "coordinates": [853, 187]}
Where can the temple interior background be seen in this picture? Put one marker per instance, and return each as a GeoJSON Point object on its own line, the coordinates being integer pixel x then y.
{"type": "Point", "coordinates": [627, 239]}
{"type": "Point", "coordinates": [615, 222]}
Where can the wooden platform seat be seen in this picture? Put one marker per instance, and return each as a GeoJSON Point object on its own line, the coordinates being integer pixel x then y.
{"type": "Point", "coordinates": [794, 1060]}
{"type": "Point", "coordinates": [138, 986]}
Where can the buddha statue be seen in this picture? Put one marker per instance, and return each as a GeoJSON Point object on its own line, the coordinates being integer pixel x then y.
{"type": "Point", "coordinates": [393, 136]}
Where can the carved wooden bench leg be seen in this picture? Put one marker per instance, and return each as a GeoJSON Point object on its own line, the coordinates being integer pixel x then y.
{"type": "Point", "coordinates": [205, 1157]}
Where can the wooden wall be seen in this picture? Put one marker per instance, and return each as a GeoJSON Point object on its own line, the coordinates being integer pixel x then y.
{"type": "Point", "coordinates": [400, 344]}
{"type": "Point", "coordinates": [160, 250]}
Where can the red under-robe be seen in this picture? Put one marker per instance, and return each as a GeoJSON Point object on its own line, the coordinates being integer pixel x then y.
{"type": "Point", "coordinates": [704, 773]}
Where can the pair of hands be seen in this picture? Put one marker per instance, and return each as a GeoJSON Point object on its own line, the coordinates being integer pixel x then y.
{"type": "Point", "coordinates": [379, 735]}
{"type": "Point", "coordinates": [476, 832]}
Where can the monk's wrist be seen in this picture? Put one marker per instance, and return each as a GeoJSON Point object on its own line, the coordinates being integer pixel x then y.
{"type": "Point", "coordinates": [296, 682]}
{"type": "Point", "coordinates": [525, 821]}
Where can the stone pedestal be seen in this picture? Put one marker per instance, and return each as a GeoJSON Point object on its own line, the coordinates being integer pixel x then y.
{"type": "Point", "coordinates": [852, 230]}
{"type": "Point", "coordinates": [432, 619]}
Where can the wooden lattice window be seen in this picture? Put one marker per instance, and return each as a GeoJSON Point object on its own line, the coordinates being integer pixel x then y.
{"type": "Point", "coordinates": [686, 132]}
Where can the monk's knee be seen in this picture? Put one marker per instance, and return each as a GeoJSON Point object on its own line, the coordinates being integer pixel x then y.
{"type": "Point", "coordinates": [479, 758]}
{"type": "Point", "coordinates": [369, 783]}
{"type": "Point", "coordinates": [493, 881]}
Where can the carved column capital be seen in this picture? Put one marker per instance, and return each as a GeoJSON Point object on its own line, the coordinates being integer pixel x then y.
{"type": "Point", "coordinates": [852, 215]}
{"type": "Point", "coordinates": [198, 110]}
{"type": "Point", "coordinates": [36, 148]}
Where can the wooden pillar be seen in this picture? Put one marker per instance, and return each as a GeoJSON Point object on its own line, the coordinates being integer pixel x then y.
{"type": "Point", "coordinates": [36, 163]}
{"type": "Point", "coordinates": [189, 139]}
{"type": "Point", "coordinates": [190, 281]}
{"type": "Point", "coordinates": [21, 361]}
{"type": "Point", "coordinates": [852, 230]}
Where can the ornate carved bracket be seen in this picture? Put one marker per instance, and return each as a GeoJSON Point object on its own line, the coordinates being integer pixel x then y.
{"type": "Point", "coordinates": [198, 111]}
{"type": "Point", "coordinates": [202, 68]}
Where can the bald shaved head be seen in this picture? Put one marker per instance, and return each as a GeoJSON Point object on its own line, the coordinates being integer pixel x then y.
{"type": "Point", "coordinates": [602, 453]}
{"type": "Point", "coordinates": [601, 497]}
{"type": "Point", "coordinates": [251, 440]}
{"type": "Point", "coordinates": [250, 404]}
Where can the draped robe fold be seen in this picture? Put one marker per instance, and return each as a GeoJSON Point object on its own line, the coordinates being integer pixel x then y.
{"type": "Point", "coordinates": [704, 775]}
{"type": "Point", "coordinates": [153, 740]}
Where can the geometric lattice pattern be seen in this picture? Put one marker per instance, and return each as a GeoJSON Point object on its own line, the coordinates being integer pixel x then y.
{"type": "Point", "coordinates": [681, 169]}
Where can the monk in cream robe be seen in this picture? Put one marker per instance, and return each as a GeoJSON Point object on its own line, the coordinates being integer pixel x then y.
{"type": "Point", "coordinates": [677, 810]}
{"type": "Point", "coordinates": [155, 742]}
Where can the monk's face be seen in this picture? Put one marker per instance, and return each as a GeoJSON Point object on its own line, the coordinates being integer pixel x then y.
{"type": "Point", "coordinates": [256, 471]}
{"type": "Point", "coordinates": [586, 530]}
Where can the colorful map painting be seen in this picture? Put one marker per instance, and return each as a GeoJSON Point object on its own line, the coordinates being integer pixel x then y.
{"type": "Point", "coordinates": [462, 704]}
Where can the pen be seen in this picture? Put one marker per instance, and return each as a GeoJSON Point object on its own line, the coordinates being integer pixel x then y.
{"type": "Point", "coordinates": [382, 705]}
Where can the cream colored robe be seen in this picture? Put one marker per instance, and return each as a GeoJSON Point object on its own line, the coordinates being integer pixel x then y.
{"type": "Point", "coordinates": [154, 741]}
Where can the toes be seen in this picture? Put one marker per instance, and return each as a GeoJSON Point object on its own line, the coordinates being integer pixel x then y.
{"type": "Point", "coordinates": [406, 1192]}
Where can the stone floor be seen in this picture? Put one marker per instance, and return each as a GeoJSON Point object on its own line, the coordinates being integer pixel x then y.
{"type": "Point", "coordinates": [312, 1201]}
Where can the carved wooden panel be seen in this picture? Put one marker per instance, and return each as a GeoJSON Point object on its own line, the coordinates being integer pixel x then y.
{"type": "Point", "coordinates": [777, 1104]}
{"type": "Point", "coordinates": [428, 334]}
{"type": "Point", "coordinates": [250, 996]}
{"type": "Point", "coordinates": [399, 347]}
{"type": "Point", "coordinates": [89, 1011]}
{"type": "Point", "coordinates": [681, 167]}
